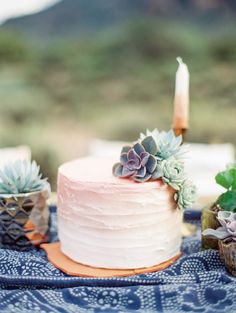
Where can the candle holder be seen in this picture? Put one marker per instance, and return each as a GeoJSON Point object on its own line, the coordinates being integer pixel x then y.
{"type": "Point", "coordinates": [181, 131]}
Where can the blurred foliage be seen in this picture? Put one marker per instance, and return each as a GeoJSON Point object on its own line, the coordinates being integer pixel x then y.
{"type": "Point", "coordinates": [114, 86]}
{"type": "Point", "coordinates": [13, 47]}
{"type": "Point", "coordinates": [224, 50]}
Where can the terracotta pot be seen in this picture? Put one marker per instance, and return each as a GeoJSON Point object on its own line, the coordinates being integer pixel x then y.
{"type": "Point", "coordinates": [209, 220]}
{"type": "Point", "coordinates": [23, 220]}
{"type": "Point", "coordinates": [228, 255]}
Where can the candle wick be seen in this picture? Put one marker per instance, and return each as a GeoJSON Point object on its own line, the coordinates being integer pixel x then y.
{"type": "Point", "coordinates": [179, 60]}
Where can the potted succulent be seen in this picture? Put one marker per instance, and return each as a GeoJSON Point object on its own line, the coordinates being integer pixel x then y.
{"type": "Point", "coordinates": [23, 210]}
{"type": "Point", "coordinates": [225, 202]}
{"type": "Point", "coordinates": [226, 236]}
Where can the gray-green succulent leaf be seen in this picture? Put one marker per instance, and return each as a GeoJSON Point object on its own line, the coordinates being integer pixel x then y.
{"type": "Point", "coordinates": [218, 233]}
{"type": "Point", "coordinates": [149, 145]}
{"type": "Point", "coordinates": [157, 174]}
{"type": "Point", "coordinates": [186, 195]}
{"type": "Point", "coordinates": [227, 228]}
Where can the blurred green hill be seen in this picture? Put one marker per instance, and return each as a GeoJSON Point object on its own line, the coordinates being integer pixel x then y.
{"type": "Point", "coordinates": [110, 73]}
{"type": "Point", "coordinates": [78, 17]}
{"type": "Point", "coordinates": [82, 17]}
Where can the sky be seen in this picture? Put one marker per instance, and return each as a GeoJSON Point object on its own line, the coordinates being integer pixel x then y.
{"type": "Point", "coordinates": [14, 8]}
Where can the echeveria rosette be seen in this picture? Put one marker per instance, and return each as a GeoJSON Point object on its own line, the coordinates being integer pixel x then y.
{"type": "Point", "coordinates": [137, 162]}
{"type": "Point", "coordinates": [171, 171]}
{"type": "Point", "coordinates": [168, 144]}
{"type": "Point", "coordinates": [227, 230]}
{"type": "Point", "coordinates": [186, 195]}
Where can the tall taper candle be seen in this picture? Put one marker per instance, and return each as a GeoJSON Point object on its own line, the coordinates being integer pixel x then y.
{"type": "Point", "coordinates": [181, 102]}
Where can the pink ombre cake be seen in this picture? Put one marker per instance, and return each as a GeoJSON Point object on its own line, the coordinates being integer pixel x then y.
{"type": "Point", "coordinates": [109, 222]}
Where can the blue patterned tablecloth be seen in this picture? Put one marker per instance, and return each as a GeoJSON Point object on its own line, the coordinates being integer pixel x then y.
{"type": "Point", "coordinates": [197, 282]}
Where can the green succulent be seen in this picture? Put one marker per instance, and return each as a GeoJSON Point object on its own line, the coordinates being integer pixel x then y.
{"type": "Point", "coordinates": [186, 195]}
{"type": "Point", "coordinates": [227, 179]}
{"type": "Point", "coordinates": [167, 143]}
{"type": "Point", "coordinates": [21, 177]}
{"type": "Point", "coordinates": [171, 171]}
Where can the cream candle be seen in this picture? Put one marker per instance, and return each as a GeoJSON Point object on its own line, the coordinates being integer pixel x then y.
{"type": "Point", "coordinates": [181, 102]}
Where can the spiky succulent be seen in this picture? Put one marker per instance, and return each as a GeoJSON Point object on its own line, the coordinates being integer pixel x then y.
{"type": "Point", "coordinates": [21, 177]}
{"type": "Point", "coordinates": [137, 161]}
{"type": "Point", "coordinates": [168, 144]}
{"type": "Point", "coordinates": [227, 230]}
{"type": "Point", "coordinates": [186, 195]}
{"type": "Point", "coordinates": [171, 171]}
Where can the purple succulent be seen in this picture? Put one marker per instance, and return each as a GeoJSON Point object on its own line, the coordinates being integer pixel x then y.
{"type": "Point", "coordinates": [228, 222]}
{"type": "Point", "coordinates": [135, 162]}
{"type": "Point", "coordinates": [228, 227]}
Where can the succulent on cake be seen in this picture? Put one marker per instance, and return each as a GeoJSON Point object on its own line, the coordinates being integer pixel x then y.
{"type": "Point", "coordinates": [168, 144]}
{"type": "Point", "coordinates": [21, 176]}
{"type": "Point", "coordinates": [186, 195]}
{"type": "Point", "coordinates": [137, 161]}
{"type": "Point", "coordinates": [172, 172]}
{"type": "Point", "coordinates": [157, 156]}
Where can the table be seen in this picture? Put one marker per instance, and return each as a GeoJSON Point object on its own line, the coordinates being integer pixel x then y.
{"type": "Point", "coordinates": [197, 282]}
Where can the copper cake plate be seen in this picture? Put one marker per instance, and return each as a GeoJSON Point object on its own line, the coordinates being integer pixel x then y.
{"type": "Point", "coordinates": [70, 267]}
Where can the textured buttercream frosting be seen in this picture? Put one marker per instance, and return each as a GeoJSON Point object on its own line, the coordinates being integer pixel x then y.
{"type": "Point", "coordinates": [109, 222]}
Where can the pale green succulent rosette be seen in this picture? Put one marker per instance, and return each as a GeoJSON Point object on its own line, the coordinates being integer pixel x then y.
{"type": "Point", "coordinates": [172, 172]}
{"type": "Point", "coordinates": [186, 195]}
{"type": "Point", "coordinates": [22, 177]}
{"type": "Point", "coordinates": [168, 144]}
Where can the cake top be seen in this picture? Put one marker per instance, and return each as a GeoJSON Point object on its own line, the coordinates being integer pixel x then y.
{"type": "Point", "coordinates": [95, 170]}
{"type": "Point", "coordinates": [158, 156]}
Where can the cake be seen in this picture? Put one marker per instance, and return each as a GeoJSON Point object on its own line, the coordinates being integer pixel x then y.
{"type": "Point", "coordinates": [127, 219]}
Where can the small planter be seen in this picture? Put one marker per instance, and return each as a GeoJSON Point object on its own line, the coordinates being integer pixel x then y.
{"type": "Point", "coordinates": [209, 220]}
{"type": "Point", "coordinates": [228, 255]}
{"type": "Point", "coordinates": [23, 220]}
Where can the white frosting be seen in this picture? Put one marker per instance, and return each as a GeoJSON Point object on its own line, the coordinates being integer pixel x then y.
{"type": "Point", "coordinates": [111, 222]}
